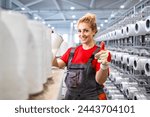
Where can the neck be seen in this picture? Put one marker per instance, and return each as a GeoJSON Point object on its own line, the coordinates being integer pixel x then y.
{"type": "Point", "coordinates": [89, 45]}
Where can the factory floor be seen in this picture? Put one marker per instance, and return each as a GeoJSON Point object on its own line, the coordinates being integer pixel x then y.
{"type": "Point", "coordinates": [54, 88]}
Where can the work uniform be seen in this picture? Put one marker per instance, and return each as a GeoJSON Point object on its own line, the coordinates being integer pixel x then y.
{"type": "Point", "coordinates": [80, 77]}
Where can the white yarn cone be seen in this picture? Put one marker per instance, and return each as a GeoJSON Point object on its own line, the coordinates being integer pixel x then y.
{"type": "Point", "coordinates": [147, 67]}
{"type": "Point", "coordinates": [147, 25]}
{"type": "Point", "coordinates": [139, 63]}
{"type": "Point", "coordinates": [56, 42]}
{"type": "Point", "coordinates": [36, 57]}
{"type": "Point", "coordinates": [130, 30]}
{"type": "Point", "coordinates": [48, 53]}
{"type": "Point", "coordinates": [14, 83]}
{"type": "Point", "coordinates": [140, 28]}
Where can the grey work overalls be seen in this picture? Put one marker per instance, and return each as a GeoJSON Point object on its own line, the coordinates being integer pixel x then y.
{"type": "Point", "coordinates": [80, 80]}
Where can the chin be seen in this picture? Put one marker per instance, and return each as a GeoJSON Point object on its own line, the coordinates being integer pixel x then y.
{"type": "Point", "coordinates": [83, 42]}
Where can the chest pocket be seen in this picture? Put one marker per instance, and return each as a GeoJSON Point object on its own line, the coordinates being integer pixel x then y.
{"type": "Point", "coordinates": [72, 79]}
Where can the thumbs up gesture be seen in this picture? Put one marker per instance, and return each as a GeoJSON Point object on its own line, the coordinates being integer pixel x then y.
{"type": "Point", "coordinates": [103, 56]}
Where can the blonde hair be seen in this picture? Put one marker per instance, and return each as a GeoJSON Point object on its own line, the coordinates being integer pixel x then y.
{"type": "Point", "coordinates": [89, 18]}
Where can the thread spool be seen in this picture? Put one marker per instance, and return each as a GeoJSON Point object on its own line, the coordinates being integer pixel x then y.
{"type": "Point", "coordinates": [107, 82]}
{"type": "Point", "coordinates": [123, 32]}
{"type": "Point", "coordinates": [125, 84]}
{"type": "Point", "coordinates": [113, 54]}
{"type": "Point", "coordinates": [8, 62]}
{"type": "Point", "coordinates": [108, 36]}
{"type": "Point", "coordinates": [130, 91]}
{"type": "Point", "coordinates": [130, 60]}
{"type": "Point", "coordinates": [16, 77]}
{"type": "Point", "coordinates": [36, 69]}
{"type": "Point", "coordinates": [118, 34]}
{"type": "Point", "coordinates": [147, 24]}
{"type": "Point", "coordinates": [48, 53]}
{"type": "Point", "coordinates": [139, 96]}
{"type": "Point", "coordinates": [44, 49]}
{"type": "Point", "coordinates": [117, 79]}
{"type": "Point", "coordinates": [140, 28]}
{"type": "Point", "coordinates": [56, 42]}
{"type": "Point", "coordinates": [139, 63]}
{"type": "Point", "coordinates": [112, 92]}
{"type": "Point", "coordinates": [118, 56]}
{"type": "Point", "coordinates": [103, 37]}
{"type": "Point", "coordinates": [130, 30]}
{"type": "Point", "coordinates": [113, 75]}
{"type": "Point", "coordinates": [144, 52]}
{"type": "Point", "coordinates": [109, 87]}
{"type": "Point", "coordinates": [147, 67]}
{"type": "Point", "coordinates": [123, 80]}
{"type": "Point", "coordinates": [115, 36]}
{"type": "Point", "coordinates": [124, 58]}
{"type": "Point", "coordinates": [117, 97]}
{"type": "Point", "coordinates": [63, 48]}
{"type": "Point", "coordinates": [112, 34]}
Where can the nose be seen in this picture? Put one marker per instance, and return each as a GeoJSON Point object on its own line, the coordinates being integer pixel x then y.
{"type": "Point", "coordinates": [82, 34]}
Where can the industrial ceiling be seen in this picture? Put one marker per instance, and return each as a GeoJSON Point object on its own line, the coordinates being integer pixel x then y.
{"type": "Point", "coordinates": [61, 13]}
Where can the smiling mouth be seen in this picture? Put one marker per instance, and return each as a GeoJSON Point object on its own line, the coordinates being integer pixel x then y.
{"type": "Point", "coordinates": [84, 37]}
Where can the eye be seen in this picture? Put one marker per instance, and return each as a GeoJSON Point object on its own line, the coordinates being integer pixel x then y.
{"type": "Point", "coordinates": [86, 30]}
{"type": "Point", "coordinates": [79, 30]}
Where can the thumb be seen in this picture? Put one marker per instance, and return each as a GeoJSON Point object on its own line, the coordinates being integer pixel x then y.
{"type": "Point", "coordinates": [102, 46]}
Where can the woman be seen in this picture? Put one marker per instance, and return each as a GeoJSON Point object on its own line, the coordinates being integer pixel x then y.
{"type": "Point", "coordinates": [87, 65]}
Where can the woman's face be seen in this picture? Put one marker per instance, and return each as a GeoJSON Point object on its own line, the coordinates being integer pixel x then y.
{"type": "Point", "coordinates": [85, 33]}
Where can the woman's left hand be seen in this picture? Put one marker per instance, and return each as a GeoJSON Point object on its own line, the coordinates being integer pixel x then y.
{"type": "Point", "coordinates": [103, 56]}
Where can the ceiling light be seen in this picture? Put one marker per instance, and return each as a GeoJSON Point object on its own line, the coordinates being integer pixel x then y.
{"type": "Point", "coordinates": [73, 16]}
{"type": "Point", "coordinates": [122, 6]}
{"type": "Point", "coordinates": [112, 15]}
{"type": "Point", "coordinates": [106, 21]}
{"type": "Point", "coordinates": [23, 8]}
{"type": "Point", "coordinates": [72, 8]}
{"type": "Point", "coordinates": [35, 17]}
{"type": "Point", "coordinates": [101, 25]}
{"type": "Point", "coordinates": [43, 22]}
{"type": "Point", "coordinates": [74, 21]}
{"type": "Point", "coordinates": [49, 25]}
{"type": "Point", "coordinates": [52, 28]}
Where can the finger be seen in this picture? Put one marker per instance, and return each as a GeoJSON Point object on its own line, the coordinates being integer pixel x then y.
{"type": "Point", "coordinates": [103, 52]}
{"type": "Point", "coordinates": [103, 61]}
{"type": "Point", "coordinates": [97, 55]}
{"type": "Point", "coordinates": [99, 61]}
{"type": "Point", "coordinates": [109, 57]}
{"type": "Point", "coordinates": [102, 58]}
{"type": "Point", "coordinates": [103, 55]}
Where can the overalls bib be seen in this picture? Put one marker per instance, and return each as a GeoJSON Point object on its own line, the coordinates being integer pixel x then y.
{"type": "Point", "coordinates": [80, 80]}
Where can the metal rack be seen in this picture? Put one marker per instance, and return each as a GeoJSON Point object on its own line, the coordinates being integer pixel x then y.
{"type": "Point", "coordinates": [137, 45]}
